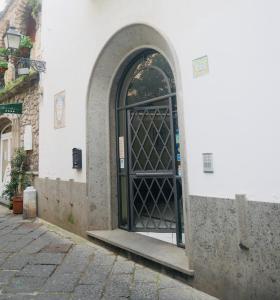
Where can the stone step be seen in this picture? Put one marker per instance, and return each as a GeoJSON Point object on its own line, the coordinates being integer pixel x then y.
{"type": "Point", "coordinates": [160, 252]}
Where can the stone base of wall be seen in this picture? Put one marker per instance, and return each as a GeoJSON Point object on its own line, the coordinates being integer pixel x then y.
{"type": "Point", "coordinates": [235, 244]}
{"type": "Point", "coordinates": [236, 248]}
{"type": "Point", "coordinates": [63, 203]}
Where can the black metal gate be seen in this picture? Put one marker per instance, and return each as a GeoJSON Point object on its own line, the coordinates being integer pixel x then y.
{"type": "Point", "coordinates": [152, 174]}
{"type": "Point", "coordinates": [148, 148]}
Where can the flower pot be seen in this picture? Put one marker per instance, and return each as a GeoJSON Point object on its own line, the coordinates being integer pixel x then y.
{"type": "Point", "coordinates": [17, 205]}
{"type": "Point", "coordinates": [3, 70]}
{"type": "Point", "coordinates": [25, 52]}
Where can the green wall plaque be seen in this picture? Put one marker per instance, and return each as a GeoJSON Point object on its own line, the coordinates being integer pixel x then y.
{"type": "Point", "coordinates": [14, 108]}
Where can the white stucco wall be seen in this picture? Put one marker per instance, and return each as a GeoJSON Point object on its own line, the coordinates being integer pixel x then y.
{"type": "Point", "coordinates": [233, 112]}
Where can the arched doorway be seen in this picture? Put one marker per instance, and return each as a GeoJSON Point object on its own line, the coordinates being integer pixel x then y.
{"type": "Point", "coordinates": [148, 151]}
{"type": "Point", "coordinates": [5, 157]}
{"type": "Point", "coordinates": [104, 86]}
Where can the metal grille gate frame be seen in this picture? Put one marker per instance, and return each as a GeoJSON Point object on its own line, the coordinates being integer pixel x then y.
{"type": "Point", "coordinates": [152, 181]}
{"type": "Point", "coordinates": [149, 177]}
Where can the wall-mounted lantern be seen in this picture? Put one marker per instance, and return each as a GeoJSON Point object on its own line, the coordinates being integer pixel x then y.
{"type": "Point", "coordinates": [12, 42]}
{"type": "Point", "coordinates": [12, 39]}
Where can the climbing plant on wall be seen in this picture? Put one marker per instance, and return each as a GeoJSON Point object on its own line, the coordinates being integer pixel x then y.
{"type": "Point", "coordinates": [36, 6]}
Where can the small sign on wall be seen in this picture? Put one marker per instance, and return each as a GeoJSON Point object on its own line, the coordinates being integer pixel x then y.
{"type": "Point", "coordinates": [28, 137]}
{"type": "Point", "coordinates": [121, 151]}
{"type": "Point", "coordinates": [59, 110]}
{"type": "Point", "coordinates": [200, 66]}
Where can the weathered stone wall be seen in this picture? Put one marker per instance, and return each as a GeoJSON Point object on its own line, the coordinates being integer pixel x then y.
{"type": "Point", "coordinates": [63, 203]}
{"type": "Point", "coordinates": [30, 116]}
{"type": "Point", "coordinates": [30, 98]}
{"type": "Point", "coordinates": [225, 266]}
{"type": "Point", "coordinates": [15, 15]}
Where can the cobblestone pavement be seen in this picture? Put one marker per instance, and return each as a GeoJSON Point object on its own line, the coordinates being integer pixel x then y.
{"type": "Point", "coordinates": [38, 262]}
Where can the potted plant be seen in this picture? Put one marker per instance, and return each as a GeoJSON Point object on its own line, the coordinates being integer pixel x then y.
{"type": "Point", "coordinates": [25, 46]}
{"type": "Point", "coordinates": [35, 6]}
{"type": "Point", "coordinates": [4, 53]}
{"type": "Point", "coordinates": [3, 66]}
{"type": "Point", "coordinates": [19, 180]}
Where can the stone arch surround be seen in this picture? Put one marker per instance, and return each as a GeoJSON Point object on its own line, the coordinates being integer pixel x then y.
{"type": "Point", "coordinates": [14, 121]}
{"type": "Point", "coordinates": [101, 141]}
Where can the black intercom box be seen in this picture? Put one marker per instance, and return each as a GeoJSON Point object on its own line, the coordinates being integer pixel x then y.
{"type": "Point", "coordinates": [77, 158]}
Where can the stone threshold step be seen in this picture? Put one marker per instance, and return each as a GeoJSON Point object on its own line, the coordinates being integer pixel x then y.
{"type": "Point", "coordinates": [149, 248]}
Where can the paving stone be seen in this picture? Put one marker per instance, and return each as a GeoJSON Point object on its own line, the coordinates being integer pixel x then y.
{"type": "Point", "coordinates": [24, 285]}
{"type": "Point", "coordinates": [121, 258]}
{"type": "Point", "coordinates": [178, 294]}
{"type": "Point", "coordinates": [26, 228]}
{"type": "Point", "coordinates": [102, 259]}
{"type": "Point", "coordinates": [43, 271]}
{"type": "Point", "coordinates": [6, 276]}
{"type": "Point", "coordinates": [118, 286]}
{"type": "Point", "coordinates": [47, 259]}
{"type": "Point", "coordinates": [183, 294]}
{"type": "Point", "coordinates": [145, 275]}
{"type": "Point", "coordinates": [95, 274]}
{"type": "Point", "coordinates": [144, 291]}
{"type": "Point", "coordinates": [87, 292]}
{"type": "Point", "coordinates": [17, 297]}
{"type": "Point", "coordinates": [11, 238]}
{"type": "Point", "coordinates": [35, 296]}
{"type": "Point", "coordinates": [3, 225]}
{"type": "Point", "coordinates": [57, 248]}
{"type": "Point", "coordinates": [3, 257]}
{"type": "Point", "coordinates": [72, 267]}
{"type": "Point", "coordinates": [5, 232]}
{"type": "Point", "coordinates": [15, 262]}
{"type": "Point", "coordinates": [63, 283]}
{"type": "Point", "coordinates": [75, 262]}
{"type": "Point", "coordinates": [18, 245]}
{"type": "Point", "coordinates": [35, 269]}
{"type": "Point", "coordinates": [35, 246]}
{"type": "Point", "coordinates": [81, 252]}
{"type": "Point", "coordinates": [125, 267]}
{"type": "Point", "coordinates": [167, 282]}
{"type": "Point", "coordinates": [37, 233]}
{"type": "Point", "coordinates": [52, 297]}
{"type": "Point", "coordinates": [53, 238]}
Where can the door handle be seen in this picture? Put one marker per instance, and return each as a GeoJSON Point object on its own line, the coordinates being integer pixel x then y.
{"type": "Point", "coordinates": [154, 174]}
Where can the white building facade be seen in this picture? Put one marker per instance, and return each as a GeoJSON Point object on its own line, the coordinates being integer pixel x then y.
{"type": "Point", "coordinates": [221, 99]}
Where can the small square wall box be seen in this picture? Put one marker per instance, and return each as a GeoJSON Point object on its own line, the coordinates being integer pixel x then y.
{"type": "Point", "coordinates": [208, 163]}
{"type": "Point", "coordinates": [77, 158]}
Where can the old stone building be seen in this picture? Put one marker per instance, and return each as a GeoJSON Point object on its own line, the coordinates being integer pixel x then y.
{"type": "Point", "coordinates": [19, 129]}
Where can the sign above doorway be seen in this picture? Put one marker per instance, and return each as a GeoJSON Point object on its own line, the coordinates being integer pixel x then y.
{"type": "Point", "coordinates": [14, 108]}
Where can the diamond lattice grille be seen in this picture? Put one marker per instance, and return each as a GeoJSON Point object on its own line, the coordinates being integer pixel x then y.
{"type": "Point", "coordinates": [150, 148]}
{"type": "Point", "coordinates": [153, 203]}
{"type": "Point", "coordinates": [150, 143]}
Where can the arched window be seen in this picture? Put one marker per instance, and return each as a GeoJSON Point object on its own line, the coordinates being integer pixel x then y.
{"type": "Point", "coordinates": [149, 76]}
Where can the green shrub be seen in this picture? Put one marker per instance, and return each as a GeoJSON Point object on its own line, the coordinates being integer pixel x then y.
{"type": "Point", "coordinates": [3, 64]}
{"type": "Point", "coordinates": [3, 52]}
{"type": "Point", "coordinates": [19, 178]}
{"type": "Point", "coordinates": [25, 42]}
{"type": "Point", "coordinates": [36, 6]}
